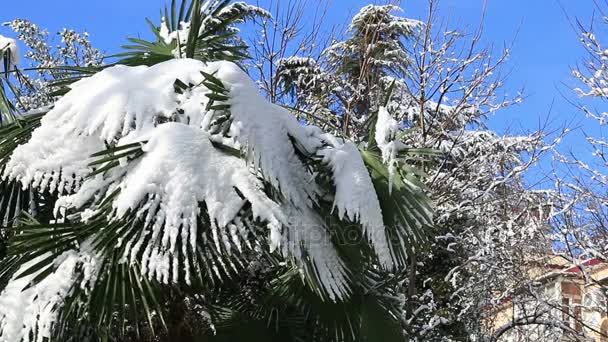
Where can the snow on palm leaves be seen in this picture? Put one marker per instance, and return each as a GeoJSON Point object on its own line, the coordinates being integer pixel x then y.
{"type": "Point", "coordinates": [9, 52]}
{"type": "Point", "coordinates": [192, 161]}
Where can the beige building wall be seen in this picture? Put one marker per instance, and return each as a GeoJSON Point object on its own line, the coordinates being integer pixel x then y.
{"type": "Point", "coordinates": [567, 289]}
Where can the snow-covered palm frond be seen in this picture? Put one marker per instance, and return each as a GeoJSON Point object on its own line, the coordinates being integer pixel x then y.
{"type": "Point", "coordinates": [16, 129]}
{"type": "Point", "coordinates": [176, 174]}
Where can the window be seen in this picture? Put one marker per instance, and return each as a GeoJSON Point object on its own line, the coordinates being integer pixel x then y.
{"type": "Point", "coordinates": [578, 317]}
{"type": "Point", "coordinates": [595, 300]}
{"type": "Point", "coordinates": [571, 306]}
{"type": "Point", "coordinates": [566, 310]}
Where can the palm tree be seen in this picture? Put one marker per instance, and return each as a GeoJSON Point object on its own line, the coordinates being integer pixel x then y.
{"type": "Point", "coordinates": [162, 198]}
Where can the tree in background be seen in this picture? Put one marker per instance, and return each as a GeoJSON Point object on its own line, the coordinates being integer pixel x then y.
{"type": "Point", "coordinates": [583, 219]}
{"type": "Point", "coordinates": [580, 219]}
{"type": "Point", "coordinates": [577, 212]}
{"type": "Point", "coordinates": [49, 62]}
{"type": "Point", "coordinates": [160, 197]}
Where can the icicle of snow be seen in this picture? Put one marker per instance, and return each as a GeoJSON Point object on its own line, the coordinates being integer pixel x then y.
{"type": "Point", "coordinates": [355, 195]}
{"type": "Point", "coordinates": [270, 150]}
{"type": "Point", "coordinates": [10, 45]}
{"type": "Point", "coordinates": [386, 129]}
{"type": "Point", "coordinates": [53, 158]}
{"type": "Point", "coordinates": [103, 108]}
{"type": "Point", "coordinates": [119, 100]}
{"type": "Point", "coordinates": [306, 237]}
{"type": "Point", "coordinates": [181, 169]}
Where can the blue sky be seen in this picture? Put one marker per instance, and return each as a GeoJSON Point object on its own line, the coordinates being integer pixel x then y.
{"type": "Point", "coordinates": [545, 44]}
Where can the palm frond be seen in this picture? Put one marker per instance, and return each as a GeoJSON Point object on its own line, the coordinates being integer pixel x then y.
{"type": "Point", "coordinates": [202, 30]}
{"type": "Point", "coordinates": [406, 208]}
{"type": "Point", "coordinates": [287, 310]}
